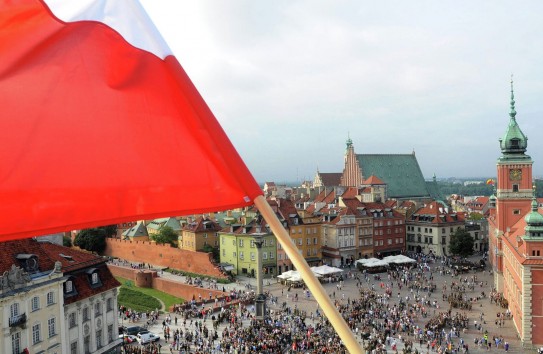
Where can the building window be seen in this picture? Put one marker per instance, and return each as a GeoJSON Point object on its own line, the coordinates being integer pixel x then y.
{"type": "Point", "coordinates": [315, 241]}
{"type": "Point", "coordinates": [50, 298]}
{"type": "Point", "coordinates": [94, 278]}
{"type": "Point", "coordinates": [515, 187]}
{"type": "Point", "coordinates": [73, 347]}
{"type": "Point", "coordinates": [109, 304]}
{"type": "Point", "coordinates": [271, 255]}
{"type": "Point", "coordinates": [279, 256]}
{"type": "Point", "coordinates": [14, 310]}
{"type": "Point", "coordinates": [252, 244]}
{"type": "Point", "coordinates": [240, 243]}
{"type": "Point", "coordinates": [241, 255]}
{"type": "Point", "coordinates": [110, 333]}
{"type": "Point", "coordinates": [69, 286]}
{"type": "Point", "coordinates": [72, 320]}
{"type": "Point", "coordinates": [264, 255]}
{"type": "Point", "coordinates": [16, 343]}
{"type": "Point", "coordinates": [97, 309]}
{"type": "Point", "coordinates": [205, 235]}
{"type": "Point", "coordinates": [99, 339]}
{"type": "Point", "coordinates": [300, 242]}
{"type": "Point", "coordinates": [36, 334]}
{"type": "Point", "coordinates": [86, 344]}
{"type": "Point", "coordinates": [234, 254]}
{"type": "Point", "coordinates": [516, 211]}
{"type": "Point", "coordinates": [52, 327]}
{"type": "Point", "coordinates": [86, 316]}
{"type": "Point", "coordinates": [35, 303]}
{"type": "Point", "coordinates": [389, 241]}
{"type": "Point", "coordinates": [252, 256]}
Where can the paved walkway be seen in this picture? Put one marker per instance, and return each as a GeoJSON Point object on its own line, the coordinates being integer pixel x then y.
{"type": "Point", "coordinates": [350, 291]}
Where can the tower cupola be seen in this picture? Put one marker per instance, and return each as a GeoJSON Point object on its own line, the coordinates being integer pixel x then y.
{"type": "Point", "coordinates": [514, 142]}
{"type": "Point", "coordinates": [534, 220]}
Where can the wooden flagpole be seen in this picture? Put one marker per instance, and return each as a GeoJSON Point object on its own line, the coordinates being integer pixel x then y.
{"type": "Point", "coordinates": [310, 280]}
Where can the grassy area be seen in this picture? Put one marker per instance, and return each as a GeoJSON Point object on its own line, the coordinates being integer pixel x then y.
{"type": "Point", "coordinates": [137, 301]}
{"type": "Point", "coordinates": [143, 299]}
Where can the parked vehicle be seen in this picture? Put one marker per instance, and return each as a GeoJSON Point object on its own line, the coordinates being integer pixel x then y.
{"type": "Point", "coordinates": [134, 330]}
{"type": "Point", "coordinates": [144, 338]}
{"type": "Point", "coordinates": [128, 338]}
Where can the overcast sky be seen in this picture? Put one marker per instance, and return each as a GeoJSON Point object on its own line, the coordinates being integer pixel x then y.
{"type": "Point", "coordinates": [289, 80]}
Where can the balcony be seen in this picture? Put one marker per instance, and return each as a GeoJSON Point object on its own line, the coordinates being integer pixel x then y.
{"type": "Point", "coordinates": [18, 320]}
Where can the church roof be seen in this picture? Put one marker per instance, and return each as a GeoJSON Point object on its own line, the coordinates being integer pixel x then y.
{"type": "Point", "coordinates": [401, 173]}
{"type": "Point", "coordinates": [330, 179]}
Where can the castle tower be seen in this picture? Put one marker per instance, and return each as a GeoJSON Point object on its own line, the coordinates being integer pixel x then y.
{"type": "Point", "coordinates": [513, 190]}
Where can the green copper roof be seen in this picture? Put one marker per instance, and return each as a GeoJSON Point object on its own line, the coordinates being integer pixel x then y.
{"type": "Point", "coordinates": [401, 173]}
{"type": "Point", "coordinates": [534, 220]}
{"type": "Point", "coordinates": [514, 142]}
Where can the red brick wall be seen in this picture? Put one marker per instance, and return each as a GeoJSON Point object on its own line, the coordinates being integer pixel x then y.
{"type": "Point", "coordinates": [126, 273]}
{"type": "Point", "coordinates": [162, 255]}
{"type": "Point", "coordinates": [184, 291]}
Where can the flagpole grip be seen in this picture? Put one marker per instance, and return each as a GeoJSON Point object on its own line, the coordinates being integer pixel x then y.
{"type": "Point", "coordinates": [310, 280]}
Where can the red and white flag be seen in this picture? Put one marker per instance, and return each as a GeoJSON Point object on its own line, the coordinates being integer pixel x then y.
{"type": "Point", "coordinates": [99, 124]}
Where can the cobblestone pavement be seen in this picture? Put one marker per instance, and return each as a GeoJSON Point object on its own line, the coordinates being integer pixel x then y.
{"type": "Point", "coordinates": [350, 291]}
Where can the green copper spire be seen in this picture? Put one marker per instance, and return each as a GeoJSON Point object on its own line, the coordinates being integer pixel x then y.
{"type": "Point", "coordinates": [512, 113]}
{"type": "Point", "coordinates": [514, 142]}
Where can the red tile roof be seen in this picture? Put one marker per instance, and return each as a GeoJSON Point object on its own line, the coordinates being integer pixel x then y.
{"type": "Point", "coordinates": [201, 225]}
{"type": "Point", "coordinates": [73, 262]}
{"type": "Point", "coordinates": [437, 214]}
{"type": "Point", "coordinates": [373, 180]}
{"type": "Point", "coordinates": [331, 179]}
{"type": "Point", "coordinates": [10, 249]}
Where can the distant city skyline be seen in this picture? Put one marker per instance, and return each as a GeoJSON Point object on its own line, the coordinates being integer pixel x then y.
{"type": "Point", "coordinates": [289, 81]}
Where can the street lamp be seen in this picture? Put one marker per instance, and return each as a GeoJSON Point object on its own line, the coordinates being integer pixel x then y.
{"type": "Point", "coordinates": [260, 301]}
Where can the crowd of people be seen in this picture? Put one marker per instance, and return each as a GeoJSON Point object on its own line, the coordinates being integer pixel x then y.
{"type": "Point", "coordinates": [381, 315]}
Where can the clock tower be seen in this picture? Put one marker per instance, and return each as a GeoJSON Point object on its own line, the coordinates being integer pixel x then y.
{"type": "Point", "coordinates": [514, 182]}
{"type": "Point", "coordinates": [513, 191]}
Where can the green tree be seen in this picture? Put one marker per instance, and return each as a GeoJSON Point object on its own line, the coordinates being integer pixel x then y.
{"type": "Point", "coordinates": [165, 235]}
{"type": "Point", "coordinates": [475, 216]}
{"type": "Point", "coordinates": [461, 243]}
{"type": "Point", "coordinates": [215, 252]}
{"type": "Point", "coordinates": [66, 241]}
{"type": "Point", "coordinates": [111, 230]}
{"type": "Point", "coordinates": [93, 240]}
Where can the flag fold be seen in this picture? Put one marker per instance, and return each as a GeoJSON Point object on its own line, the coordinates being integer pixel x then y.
{"type": "Point", "coordinates": [96, 130]}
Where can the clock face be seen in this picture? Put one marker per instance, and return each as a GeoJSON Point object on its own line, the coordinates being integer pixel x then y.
{"type": "Point", "coordinates": [515, 174]}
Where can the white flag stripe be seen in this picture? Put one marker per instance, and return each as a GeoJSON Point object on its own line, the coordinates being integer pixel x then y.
{"type": "Point", "coordinates": [137, 28]}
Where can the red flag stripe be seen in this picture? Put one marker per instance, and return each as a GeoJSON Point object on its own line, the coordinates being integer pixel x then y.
{"type": "Point", "coordinates": [95, 131]}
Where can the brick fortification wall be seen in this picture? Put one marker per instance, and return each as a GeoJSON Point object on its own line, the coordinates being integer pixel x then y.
{"type": "Point", "coordinates": [163, 256]}
{"type": "Point", "coordinates": [184, 291]}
